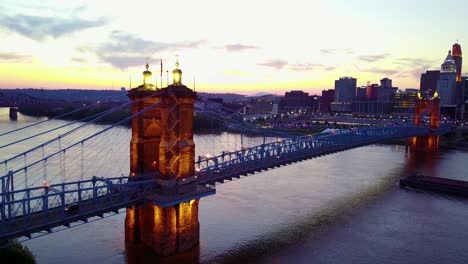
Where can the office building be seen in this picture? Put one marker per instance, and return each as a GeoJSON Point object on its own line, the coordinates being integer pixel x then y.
{"type": "Point", "coordinates": [429, 81]}
{"type": "Point", "coordinates": [345, 89]}
{"type": "Point", "coordinates": [447, 84]}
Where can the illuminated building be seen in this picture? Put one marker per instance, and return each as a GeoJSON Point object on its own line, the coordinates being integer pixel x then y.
{"type": "Point", "coordinates": [457, 57]}
{"type": "Point", "coordinates": [295, 100]}
{"type": "Point", "coordinates": [429, 81]}
{"type": "Point", "coordinates": [405, 101]}
{"type": "Point", "coordinates": [447, 84]}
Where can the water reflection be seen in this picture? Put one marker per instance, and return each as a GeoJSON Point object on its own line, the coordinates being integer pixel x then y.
{"type": "Point", "coordinates": [275, 210]}
{"type": "Point", "coordinates": [422, 154]}
{"type": "Point", "coordinates": [140, 254]}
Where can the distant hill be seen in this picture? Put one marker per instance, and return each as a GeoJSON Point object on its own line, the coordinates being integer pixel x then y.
{"type": "Point", "coordinates": [259, 94]}
{"type": "Point", "coordinates": [72, 95]}
{"type": "Point", "coordinates": [228, 97]}
{"type": "Point", "coordinates": [78, 95]}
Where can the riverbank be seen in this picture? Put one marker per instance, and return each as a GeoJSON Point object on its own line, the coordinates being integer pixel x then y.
{"type": "Point", "coordinates": [17, 254]}
{"type": "Point", "coordinates": [202, 124]}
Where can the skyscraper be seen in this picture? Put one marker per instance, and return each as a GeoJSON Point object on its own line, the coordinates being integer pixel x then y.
{"type": "Point", "coordinates": [447, 84]}
{"type": "Point", "coordinates": [345, 89]}
{"type": "Point", "coordinates": [457, 57]}
{"type": "Point", "coordinates": [429, 82]}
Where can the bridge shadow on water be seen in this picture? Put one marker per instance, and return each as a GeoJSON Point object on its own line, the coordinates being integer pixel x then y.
{"type": "Point", "coordinates": [421, 155]}
{"type": "Point", "coordinates": [140, 254]}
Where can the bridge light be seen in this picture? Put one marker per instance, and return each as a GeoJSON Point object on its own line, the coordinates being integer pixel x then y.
{"type": "Point", "coordinates": [45, 184]}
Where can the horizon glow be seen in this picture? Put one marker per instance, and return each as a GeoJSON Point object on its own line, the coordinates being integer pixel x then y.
{"type": "Point", "coordinates": [238, 46]}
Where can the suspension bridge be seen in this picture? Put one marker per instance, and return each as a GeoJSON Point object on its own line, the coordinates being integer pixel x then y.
{"type": "Point", "coordinates": [61, 174]}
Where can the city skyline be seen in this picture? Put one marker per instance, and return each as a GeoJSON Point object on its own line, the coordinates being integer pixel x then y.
{"type": "Point", "coordinates": [242, 48]}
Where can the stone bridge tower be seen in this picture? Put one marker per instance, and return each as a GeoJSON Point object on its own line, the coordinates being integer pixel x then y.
{"type": "Point", "coordinates": [430, 105]}
{"type": "Point", "coordinates": [162, 147]}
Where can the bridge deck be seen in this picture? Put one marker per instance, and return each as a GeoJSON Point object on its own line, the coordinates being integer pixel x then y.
{"type": "Point", "coordinates": [104, 199]}
{"type": "Point", "coordinates": [23, 212]}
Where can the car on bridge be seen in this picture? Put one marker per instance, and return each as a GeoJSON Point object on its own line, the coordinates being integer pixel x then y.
{"type": "Point", "coordinates": [72, 208]}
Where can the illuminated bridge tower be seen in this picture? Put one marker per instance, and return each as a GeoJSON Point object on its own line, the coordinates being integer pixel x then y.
{"type": "Point", "coordinates": [430, 105]}
{"type": "Point", "coordinates": [162, 147]}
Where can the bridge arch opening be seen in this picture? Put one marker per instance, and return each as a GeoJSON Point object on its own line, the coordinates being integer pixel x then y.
{"type": "Point", "coordinates": [430, 106]}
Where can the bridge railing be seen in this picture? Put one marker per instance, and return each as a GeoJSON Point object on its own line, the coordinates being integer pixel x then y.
{"type": "Point", "coordinates": [267, 155]}
{"type": "Point", "coordinates": [43, 205]}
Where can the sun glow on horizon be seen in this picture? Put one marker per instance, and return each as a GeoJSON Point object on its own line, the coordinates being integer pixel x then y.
{"type": "Point", "coordinates": [225, 47]}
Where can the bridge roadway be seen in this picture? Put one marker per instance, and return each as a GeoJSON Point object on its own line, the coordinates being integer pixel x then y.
{"type": "Point", "coordinates": [230, 165]}
{"type": "Point", "coordinates": [24, 212]}
{"type": "Point", "coordinates": [62, 204]}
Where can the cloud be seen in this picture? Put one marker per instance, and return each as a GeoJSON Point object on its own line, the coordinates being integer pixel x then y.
{"type": "Point", "coordinates": [411, 62]}
{"type": "Point", "coordinates": [373, 58]}
{"type": "Point", "coordinates": [277, 64]}
{"type": "Point", "coordinates": [124, 49]}
{"type": "Point", "coordinates": [239, 47]}
{"type": "Point", "coordinates": [238, 73]}
{"type": "Point", "coordinates": [123, 61]}
{"type": "Point", "coordinates": [79, 60]}
{"type": "Point", "coordinates": [416, 73]}
{"type": "Point", "coordinates": [120, 41]}
{"type": "Point", "coordinates": [311, 66]}
{"type": "Point", "coordinates": [14, 57]}
{"type": "Point", "coordinates": [42, 27]}
{"type": "Point", "coordinates": [336, 51]}
{"type": "Point", "coordinates": [387, 72]}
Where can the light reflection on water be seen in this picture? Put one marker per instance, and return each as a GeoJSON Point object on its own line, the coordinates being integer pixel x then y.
{"type": "Point", "coordinates": [340, 208]}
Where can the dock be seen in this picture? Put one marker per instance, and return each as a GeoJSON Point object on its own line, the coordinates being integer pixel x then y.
{"type": "Point", "coordinates": [436, 184]}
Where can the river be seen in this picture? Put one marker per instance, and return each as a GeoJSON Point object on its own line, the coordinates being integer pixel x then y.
{"type": "Point", "coordinates": [340, 208]}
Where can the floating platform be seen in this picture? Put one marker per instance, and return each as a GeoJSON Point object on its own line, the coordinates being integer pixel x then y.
{"type": "Point", "coordinates": [443, 185]}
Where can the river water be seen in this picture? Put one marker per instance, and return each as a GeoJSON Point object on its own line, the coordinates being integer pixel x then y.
{"type": "Point", "coordinates": [340, 208]}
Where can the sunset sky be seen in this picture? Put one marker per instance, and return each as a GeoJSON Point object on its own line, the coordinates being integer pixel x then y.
{"type": "Point", "coordinates": [241, 46]}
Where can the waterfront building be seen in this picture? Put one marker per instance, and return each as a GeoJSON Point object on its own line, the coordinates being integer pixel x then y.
{"type": "Point", "coordinates": [405, 101]}
{"type": "Point", "coordinates": [372, 91]}
{"type": "Point", "coordinates": [447, 84]}
{"type": "Point", "coordinates": [345, 89]}
{"type": "Point", "coordinates": [428, 84]}
{"type": "Point", "coordinates": [386, 83]}
{"type": "Point", "coordinates": [326, 99]}
{"type": "Point", "coordinates": [296, 100]}
{"type": "Point", "coordinates": [361, 93]}
{"type": "Point", "coordinates": [457, 57]}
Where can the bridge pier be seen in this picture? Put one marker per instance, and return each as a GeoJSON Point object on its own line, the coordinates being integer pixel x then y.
{"type": "Point", "coordinates": [166, 231]}
{"type": "Point", "coordinates": [162, 147]}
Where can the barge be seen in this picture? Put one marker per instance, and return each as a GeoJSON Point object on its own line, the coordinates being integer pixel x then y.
{"type": "Point", "coordinates": [442, 185]}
